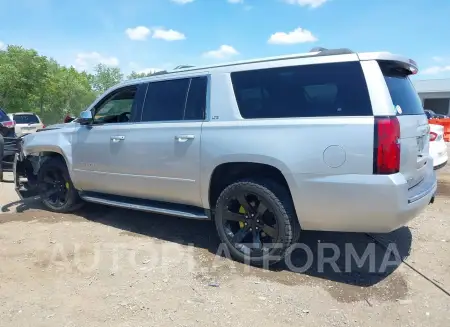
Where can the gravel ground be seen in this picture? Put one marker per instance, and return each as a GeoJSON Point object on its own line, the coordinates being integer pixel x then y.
{"type": "Point", "coordinates": [111, 267]}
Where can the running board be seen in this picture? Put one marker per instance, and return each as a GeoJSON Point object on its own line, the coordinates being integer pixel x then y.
{"type": "Point", "coordinates": [146, 205]}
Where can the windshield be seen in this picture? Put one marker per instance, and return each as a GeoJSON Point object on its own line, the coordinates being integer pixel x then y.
{"type": "Point", "coordinates": [26, 119]}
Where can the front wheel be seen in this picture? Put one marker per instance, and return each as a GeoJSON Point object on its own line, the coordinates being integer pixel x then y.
{"type": "Point", "coordinates": [56, 190]}
{"type": "Point", "coordinates": [256, 221]}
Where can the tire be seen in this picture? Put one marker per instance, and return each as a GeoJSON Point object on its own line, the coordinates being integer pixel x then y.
{"type": "Point", "coordinates": [280, 210]}
{"type": "Point", "coordinates": [72, 200]}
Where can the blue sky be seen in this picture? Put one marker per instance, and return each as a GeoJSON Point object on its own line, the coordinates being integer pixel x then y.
{"type": "Point", "coordinates": [147, 34]}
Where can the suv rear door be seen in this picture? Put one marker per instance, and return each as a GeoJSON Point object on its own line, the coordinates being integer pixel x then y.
{"type": "Point", "coordinates": [27, 123]}
{"type": "Point", "coordinates": [414, 128]}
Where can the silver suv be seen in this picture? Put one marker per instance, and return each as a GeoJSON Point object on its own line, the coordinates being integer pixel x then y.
{"type": "Point", "coordinates": [328, 140]}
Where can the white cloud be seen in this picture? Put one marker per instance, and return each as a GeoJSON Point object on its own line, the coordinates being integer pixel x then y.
{"type": "Point", "coordinates": [182, 2]}
{"type": "Point", "coordinates": [2, 46]}
{"type": "Point", "coordinates": [437, 59]}
{"type": "Point", "coordinates": [139, 33]}
{"type": "Point", "coordinates": [168, 35]}
{"type": "Point", "coordinates": [88, 60]}
{"type": "Point", "coordinates": [303, 3]}
{"type": "Point", "coordinates": [299, 35]}
{"type": "Point", "coordinates": [224, 51]}
{"type": "Point", "coordinates": [236, 1]}
{"type": "Point", "coordinates": [434, 70]}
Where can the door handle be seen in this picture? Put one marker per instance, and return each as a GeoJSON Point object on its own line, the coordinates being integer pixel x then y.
{"type": "Point", "coordinates": [117, 138]}
{"type": "Point", "coordinates": [184, 138]}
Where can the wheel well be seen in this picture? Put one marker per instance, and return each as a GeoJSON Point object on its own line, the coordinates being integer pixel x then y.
{"type": "Point", "coordinates": [228, 173]}
{"type": "Point", "coordinates": [53, 155]}
{"type": "Point", "coordinates": [47, 155]}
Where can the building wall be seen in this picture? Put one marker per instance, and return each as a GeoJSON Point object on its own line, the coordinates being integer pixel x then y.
{"type": "Point", "coordinates": [435, 95]}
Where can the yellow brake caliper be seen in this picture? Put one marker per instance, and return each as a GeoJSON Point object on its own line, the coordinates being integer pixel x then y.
{"type": "Point", "coordinates": [67, 185]}
{"type": "Point", "coordinates": [241, 211]}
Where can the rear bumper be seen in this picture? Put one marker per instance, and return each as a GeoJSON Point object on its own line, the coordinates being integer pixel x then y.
{"type": "Point", "coordinates": [442, 165]}
{"type": "Point", "coordinates": [361, 203]}
{"type": "Point", "coordinates": [438, 151]}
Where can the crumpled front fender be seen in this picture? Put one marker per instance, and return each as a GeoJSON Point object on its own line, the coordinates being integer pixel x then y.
{"type": "Point", "coordinates": [52, 141]}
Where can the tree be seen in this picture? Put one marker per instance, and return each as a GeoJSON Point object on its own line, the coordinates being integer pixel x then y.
{"type": "Point", "coordinates": [35, 83]}
{"type": "Point", "coordinates": [21, 74]}
{"type": "Point", "coordinates": [30, 82]}
{"type": "Point", "coordinates": [105, 77]}
{"type": "Point", "coordinates": [135, 75]}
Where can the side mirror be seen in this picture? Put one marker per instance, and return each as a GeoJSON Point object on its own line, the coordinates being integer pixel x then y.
{"type": "Point", "coordinates": [86, 117]}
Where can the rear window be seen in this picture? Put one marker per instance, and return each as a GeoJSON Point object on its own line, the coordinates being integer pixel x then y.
{"type": "Point", "coordinates": [26, 119]}
{"type": "Point", "coordinates": [403, 94]}
{"type": "Point", "coordinates": [3, 116]}
{"type": "Point", "coordinates": [321, 90]}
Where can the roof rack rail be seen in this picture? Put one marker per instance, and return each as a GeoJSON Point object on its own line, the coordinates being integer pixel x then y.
{"type": "Point", "coordinates": [318, 51]}
{"type": "Point", "coordinates": [183, 67]}
{"type": "Point", "coordinates": [331, 52]}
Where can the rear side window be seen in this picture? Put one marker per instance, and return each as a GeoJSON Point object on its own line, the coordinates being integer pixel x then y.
{"type": "Point", "coordinates": [321, 90]}
{"type": "Point", "coordinates": [3, 116]}
{"type": "Point", "coordinates": [26, 119]}
{"type": "Point", "coordinates": [402, 91]}
{"type": "Point", "coordinates": [165, 100]}
{"type": "Point", "coordinates": [174, 100]}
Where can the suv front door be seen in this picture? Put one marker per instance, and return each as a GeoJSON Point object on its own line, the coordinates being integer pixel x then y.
{"type": "Point", "coordinates": [163, 150]}
{"type": "Point", "coordinates": [97, 163]}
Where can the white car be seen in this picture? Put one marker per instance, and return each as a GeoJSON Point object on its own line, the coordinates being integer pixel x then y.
{"type": "Point", "coordinates": [438, 147]}
{"type": "Point", "coordinates": [26, 122]}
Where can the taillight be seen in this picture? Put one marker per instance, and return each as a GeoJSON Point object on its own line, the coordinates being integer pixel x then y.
{"type": "Point", "coordinates": [43, 126]}
{"type": "Point", "coordinates": [387, 146]}
{"type": "Point", "coordinates": [433, 136]}
{"type": "Point", "coordinates": [9, 124]}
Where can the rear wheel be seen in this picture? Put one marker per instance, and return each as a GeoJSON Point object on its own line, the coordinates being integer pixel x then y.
{"type": "Point", "coordinates": [256, 221]}
{"type": "Point", "coordinates": [56, 190]}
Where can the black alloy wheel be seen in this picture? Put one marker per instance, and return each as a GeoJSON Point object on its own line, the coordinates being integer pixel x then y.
{"type": "Point", "coordinates": [55, 187]}
{"type": "Point", "coordinates": [255, 222]}
{"type": "Point", "coordinates": [249, 225]}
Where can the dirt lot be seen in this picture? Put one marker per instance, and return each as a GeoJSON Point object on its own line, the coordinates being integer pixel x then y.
{"type": "Point", "coordinates": [112, 267]}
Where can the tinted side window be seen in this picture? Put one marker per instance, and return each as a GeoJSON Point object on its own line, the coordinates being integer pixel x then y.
{"type": "Point", "coordinates": [196, 101]}
{"type": "Point", "coordinates": [335, 89]}
{"type": "Point", "coordinates": [116, 107]}
{"type": "Point", "coordinates": [165, 100]}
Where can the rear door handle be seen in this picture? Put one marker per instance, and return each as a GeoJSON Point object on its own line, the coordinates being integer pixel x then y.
{"type": "Point", "coordinates": [184, 138]}
{"type": "Point", "coordinates": [117, 138]}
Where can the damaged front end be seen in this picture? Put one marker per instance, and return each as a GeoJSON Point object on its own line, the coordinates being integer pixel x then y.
{"type": "Point", "coordinates": [9, 146]}
{"type": "Point", "coordinates": [25, 169]}
{"type": "Point", "coordinates": [32, 151]}
{"type": "Point", "coordinates": [11, 154]}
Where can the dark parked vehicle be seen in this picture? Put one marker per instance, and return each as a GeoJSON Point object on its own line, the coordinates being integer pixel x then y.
{"type": "Point", "coordinates": [432, 115]}
{"type": "Point", "coordinates": [6, 125]}
{"type": "Point", "coordinates": [7, 142]}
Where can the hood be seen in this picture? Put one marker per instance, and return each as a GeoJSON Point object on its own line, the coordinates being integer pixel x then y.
{"type": "Point", "coordinates": [57, 126]}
